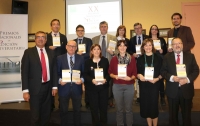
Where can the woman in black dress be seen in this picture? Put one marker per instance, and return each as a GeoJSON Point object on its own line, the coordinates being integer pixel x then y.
{"type": "Point", "coordinates": [149, 89]}
{"type": "Point", "coordinates": [97, 90]}
{"type": "Point", "coordinates": [155, 35]}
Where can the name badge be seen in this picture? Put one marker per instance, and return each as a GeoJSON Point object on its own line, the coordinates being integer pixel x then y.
{"type": "Point", "coordinates": [149, 72]}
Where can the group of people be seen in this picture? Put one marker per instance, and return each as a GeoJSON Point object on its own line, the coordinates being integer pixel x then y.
{"type": "Point", "coordinates": [43, 74]}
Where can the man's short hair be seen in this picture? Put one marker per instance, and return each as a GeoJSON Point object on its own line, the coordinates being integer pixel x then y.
{"type": "Point", "coordinates": [176, 14]}
{"type": "Point", "coordinates": [80, 26]}
{"type": "Point", "coordinates": [136, 24]}
{"type": "Point", "coordinates": [42, 32]}
{"type": "Point", "coordinates": [103, 22]}
{"type": "Point", "coordinates": [54, 20]}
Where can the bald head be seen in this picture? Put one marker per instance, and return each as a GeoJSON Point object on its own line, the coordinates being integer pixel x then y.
{"type": "Point", "coordinates": [71, 47]}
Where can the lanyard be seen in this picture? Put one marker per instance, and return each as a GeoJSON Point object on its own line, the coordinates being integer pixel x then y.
{"type": "Point", "coordinates": [146, 60]}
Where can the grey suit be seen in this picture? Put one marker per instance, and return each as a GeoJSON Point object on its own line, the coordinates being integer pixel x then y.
{"type": "Point", "coordinates": [96, 39]}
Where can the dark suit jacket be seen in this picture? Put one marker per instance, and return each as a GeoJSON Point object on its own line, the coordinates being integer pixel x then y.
{"type": "Point", "coordinates": [88, 43]}
{"type": "Point", "coordinates": [169, 68]}
{"type": "Point", "coordinates": [133, 41]}
{"type": "Point", "coordinates": [63, 42]}
{"type": "Point", "coordinates": [89, 72]}
{"type": "Point", "coordinates": [62, 63]}
{"type": "Point", "coordinates": [186, 36]}
{"type": "Point", "coordinates": [31, 70]}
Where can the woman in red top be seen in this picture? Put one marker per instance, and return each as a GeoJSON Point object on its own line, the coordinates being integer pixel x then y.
{"type": "Point", "coordinates": [123, 88]}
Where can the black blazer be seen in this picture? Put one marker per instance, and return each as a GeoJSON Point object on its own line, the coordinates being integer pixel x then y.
{"type": "Point", "coordinates": [31, 70]}
{"type": "Point", "coordinates": [169, 68]}
{"type": "Point", "coordinates": [133, 42]}
{"type": "Point", "coordinates": [63, 42]}
{"type": "Point", "coordinates": [89, 72]}
{"type": "Point", "coordinates": [88, 43]}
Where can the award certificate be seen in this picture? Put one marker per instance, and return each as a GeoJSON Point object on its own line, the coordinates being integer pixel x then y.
{"type": "Point", "coordinates": [75, 75]}
{"type": "Point", "coordinates": [181, 70]}
{"type": "Point", "coordinates": [112, 45]}
{"type": "Point", "coordinates": [81, 48]}
{"type": "Point", "coordinates": [157, 44]}
{"type": "Point", "coordinates": [138, 49]}
{"type": "Point", "coordinates": [170, 42]}
{"type": "Point", "coordinates": [56, 41]}
{"type": "Point", "coordinates": [66, 75]}
{"type": "Point", "coordinates": [122, 70]}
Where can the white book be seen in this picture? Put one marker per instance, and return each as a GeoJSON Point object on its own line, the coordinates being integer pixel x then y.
{"type": "Point", "coordinates": [181, 70]}
{"type": "Point", "coordinates": [66, 75]}
{"type": "Point", "coordinates": [76, 74]}
{"type": "Point", "coordinates": [82, 48]}
{"type": "Point", "coordinates": [56, 41]}
{"type": "Point", "coordinates": [170, 42]}
{"type": "Point", "coordinates": [149, 72]}
{"type": "Point", "coordinates": [122, 70]}
{"type": "Point", "coordinates": [137, 47]}
{"type": "Point", "coordinates": [112, 45]}
{"type": "Point", "coordinates": [157, 44]}
{"type": "Point", "coordinates": [99, 74]}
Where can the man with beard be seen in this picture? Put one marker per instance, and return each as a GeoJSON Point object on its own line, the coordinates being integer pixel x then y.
{"type": "Point", "coordinates": [183, 32]}
{"type": "Point", "coordinates": [179, 90]}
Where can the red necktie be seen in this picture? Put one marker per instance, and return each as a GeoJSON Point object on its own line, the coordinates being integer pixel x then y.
{"type": "Point", "coordinates": [178, 59]}
{"type": "Point", "coordinates": [44, 69]}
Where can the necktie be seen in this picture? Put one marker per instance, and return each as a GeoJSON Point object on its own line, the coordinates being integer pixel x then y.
{"type": "Point", "coordinates": [55, 35]}
{"type": "Point", "coordinates": [139, 41]}
{"type": "Point", "coordinates": [178, 59]}
{"type": "Point", "coordinates": [103, 46]}
{"type": "Point", "coordinates": [71, 62]}
{"type": "Point", "coordinates": [79, 41]}
{"type": "Point", "coordinates": [44, 69]}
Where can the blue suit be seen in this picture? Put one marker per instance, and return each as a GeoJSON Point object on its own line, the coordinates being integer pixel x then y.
{"type": "Point", "coordinates": [70, 90]}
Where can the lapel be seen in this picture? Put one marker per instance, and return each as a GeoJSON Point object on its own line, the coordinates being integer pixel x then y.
{"type": "Point", "coordinates": [180, 31]}
{"type": "Point", "coordinates": [50, 38]}
{"type": "Point", "coordinates": [185, 59]}
{"type": "Point", "coordinates": [49, 57]}
{"type": "Point", "coordinates": [84, 41]}
{"type": "Point", "coordinates": [65, 61]}
{"type": "Point", "coordinates": [173, 62]}
{"type": "Point", "coordinates": [76, 63]}
{"type": "Point", "coordinates": [36, 56]}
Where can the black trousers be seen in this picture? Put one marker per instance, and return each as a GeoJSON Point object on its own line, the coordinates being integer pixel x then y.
{"type": "Point", "coordinates": [40, 106]}
{"type": "Point", "coordinates": [98, 105]}
{"type": "Point", "coordinates": [185, 105]}
{"type": "Point", "coordinates": [64, 104]}
{"type": "Point", "coordinates": [162, 88]}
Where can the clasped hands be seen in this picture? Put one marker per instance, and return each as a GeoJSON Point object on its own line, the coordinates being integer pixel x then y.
{"type": "Point", "coordinates": [181, 81]}
{"type": "Point", "coordinates": [141, 77]}
{"type": "Point", "coordinates": [78, 82]}
{"type": "Point", "coordinates": [96, 82]}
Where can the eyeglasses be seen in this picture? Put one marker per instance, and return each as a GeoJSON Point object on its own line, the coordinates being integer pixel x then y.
{"type": "Point", "coordinates": [40, 37]}
{"type": "Point", "coordinates": [137, 28]}
{"type": "Point", "coordinates": [80, 30]}
{"type": "Point", "coordinates": [70, 46]}
{"type": "Point", "coordinates": [177, 43]}
{"type": "Point", "coordinates": [154, 29]}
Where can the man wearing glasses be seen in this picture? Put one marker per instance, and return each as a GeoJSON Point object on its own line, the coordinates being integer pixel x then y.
{"type": "Point", "coordinates": [179, 87]}
{"type": "Point", "coordinates": [87, 43]}
{"type": "Point", "coordinates": [70, 89]}
{"type": "Point", "coordinates": [39, 79]}
{"type": "Point", "coordinates": [136, 40]}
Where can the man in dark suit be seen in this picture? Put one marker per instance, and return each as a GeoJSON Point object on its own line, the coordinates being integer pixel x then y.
{"type": "Point", "coordinates": [58, 50]}
{"type": "Point", "coordinates": [70, 90]}
{"type": "Point", "coordinates": [136, 40]}
{"type": "Point", "coordinates": [179, 90]}
{"type": "Point", "coordinates": [183, 32]}
{"type": "Point", "coordinates": [39, 79]}
{"type": "Point", "coordinates": [80, 32]}
{"type": "Point", "coordinates": [55, 27]}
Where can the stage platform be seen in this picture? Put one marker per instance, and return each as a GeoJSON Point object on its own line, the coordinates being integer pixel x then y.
{"type": "Point", "coordinates": [18, 114]}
